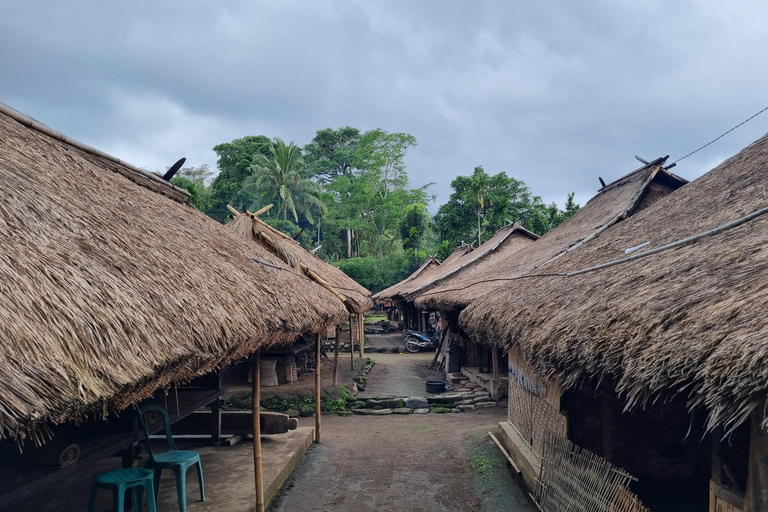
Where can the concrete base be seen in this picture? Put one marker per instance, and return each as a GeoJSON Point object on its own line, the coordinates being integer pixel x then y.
{"type": "Point", "coordinates": [528, 462]}
{"type": "Point", "coordinates": [228, 472]}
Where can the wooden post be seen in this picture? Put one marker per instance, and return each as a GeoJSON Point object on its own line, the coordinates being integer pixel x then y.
{"type": "Point", "coordinates": [317, 390]}
{"type": "Point", "coordinates": [336, 357]}
{"type": "Point", "coordinates": [495, 362]}
{"type": "Point", "coordinates": [351, 346]}
{"type": "Point", "coordinates": [257, 468]}
{"type": "Point", "coordinates": [361, 325]}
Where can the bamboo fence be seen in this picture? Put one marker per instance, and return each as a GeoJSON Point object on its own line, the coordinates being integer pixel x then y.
{"type": "Point", "coordinates": [573, 479]}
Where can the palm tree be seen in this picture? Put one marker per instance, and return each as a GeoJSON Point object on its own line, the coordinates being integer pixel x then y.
{"type": "Point", "coordinates": [279, 176]}
{"type": "Point", "coordinates": [478, 187]}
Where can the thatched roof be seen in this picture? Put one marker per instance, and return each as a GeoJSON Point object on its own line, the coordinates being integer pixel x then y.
{"type": "Point", "coordinates": [353, 295]}
{"type": "Point", "coordinates": [109, 290]}
{"type": "Point", "coordinates": [613, 203]}
{"type": "Point", "coordinates": [690, 319]}
{"type": "Point", "coordinates": [393, 292]}
{"type": "Point", "coordinates": [510, 238]}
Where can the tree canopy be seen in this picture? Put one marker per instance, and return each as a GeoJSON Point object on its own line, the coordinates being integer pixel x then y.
{"type": "Point", "coordinates": [346, 193]}
{"type": "Point", "coordinates": [234, 163]}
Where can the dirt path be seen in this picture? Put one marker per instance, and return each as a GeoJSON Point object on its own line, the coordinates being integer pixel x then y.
{"type": "Point", "coordinates": [430, 462]}
{"type": "Point", "coordinates": [401, 374]}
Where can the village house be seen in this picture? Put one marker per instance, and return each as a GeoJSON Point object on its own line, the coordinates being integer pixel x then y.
{"type": "Point", "coordinates": [117, 292]}
{"type": "Point", "coordinates": [500, 263]}
{"type": "Point", "coordinates": [637, 362]}
{"type": "Point", "coordinates": [281, 365]}
{"type": "Point", "coordinates": [399, 298]}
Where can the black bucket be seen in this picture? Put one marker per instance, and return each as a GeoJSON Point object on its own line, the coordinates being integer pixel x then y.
{"type": "Point", "coordinates": [435, 386]}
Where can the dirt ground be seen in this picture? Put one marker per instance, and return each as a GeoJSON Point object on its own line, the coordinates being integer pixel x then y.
{"type": "Point", "coordinates": [429, 462]}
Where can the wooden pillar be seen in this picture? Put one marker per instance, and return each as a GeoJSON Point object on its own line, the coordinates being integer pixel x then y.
{"type": "Point", "coordinates": [336, 357]}
{"type": "Point", "coordinates": [361, 326]}
{"type": "Point", "coordinates": [495, 362]}
{"type": "Point", "coordinates": [216, 422]}
{"type": "Point", "coordinates": [351, 346]}
{"type": "Point", "coordinates": [257, 467]}
{"type": "Point", "coordinates": [317, 390]}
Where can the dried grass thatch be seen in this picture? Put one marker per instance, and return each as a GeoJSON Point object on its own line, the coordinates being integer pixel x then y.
{"type": "Point", "coordinates": [356, 297]}
{"type": "Point", "coordinates": [508, 238]}
{"type": "Point", "coordinates": [393, 292]}
{"type": "Point", "coordinates": [690, 319]}
{"type": "Point", "coordinates": [617, 201]}
{"type": "Point", "coordinates": [109, 291]}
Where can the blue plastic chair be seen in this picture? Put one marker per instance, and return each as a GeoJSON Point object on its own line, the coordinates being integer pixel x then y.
{"type": "Point", "coordinates": [177, 460]}
{"type": "Point", "coordinates": [119, 481]}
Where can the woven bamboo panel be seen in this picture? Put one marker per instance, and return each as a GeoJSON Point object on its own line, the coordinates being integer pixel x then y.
{"type": "Point", "coordinates": [545, 419]}
{"type": "Point", "coordinates": [574, 479]}
{"type": "Point", "coordinates": [626, 501]}
{"type": "Point", "coordinates": [519, 411]}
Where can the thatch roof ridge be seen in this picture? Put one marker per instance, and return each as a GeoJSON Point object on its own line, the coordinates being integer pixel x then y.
{"type": "Point", "coordinates": [689, 319]}
{"type": "Point", "coordinates": [392, 292]}
{"type": "Point", "coordinates": [512, 236]}
{"type": "Point", "coordinates": [356, 297]}
{"type": "Point", "coordinates": [658, 164]}
{"type": "Point", "coordinates": [109, 291]}
{"type": "Point", "coordinates": [612, 205]}
{"type": "Point", "coordinates": [50, 132]}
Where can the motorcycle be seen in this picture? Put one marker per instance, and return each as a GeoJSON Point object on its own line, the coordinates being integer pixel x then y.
{"type": "Point", "coordinates": [415, 340]}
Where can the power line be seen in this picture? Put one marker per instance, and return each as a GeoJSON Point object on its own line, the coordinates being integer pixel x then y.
{"type": "Point", "coordinates": [720, 137]}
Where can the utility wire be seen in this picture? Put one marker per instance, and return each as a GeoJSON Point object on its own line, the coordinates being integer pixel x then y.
{"type": "Point", "coordinates": [720, 137]}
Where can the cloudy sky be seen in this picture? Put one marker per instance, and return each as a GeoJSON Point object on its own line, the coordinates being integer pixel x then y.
{"type": "Point", "coordinates": [553, 93]}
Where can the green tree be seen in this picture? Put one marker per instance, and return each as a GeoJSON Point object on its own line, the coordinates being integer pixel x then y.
{"type": "Point", "coordinates": [481, 204]}
{"type": "Point", "coordinates": [234, 163]}
{"type": "Point", "coordinates": [278, 176]}
{"type": "Point", "coordinates": [413, 226]}
{"type": "Point", "coordinates": [199, 194]}
{"type": "Point", "coordinates": [332, 153]}
{"type": "Point", "coordinates": [478, 188]}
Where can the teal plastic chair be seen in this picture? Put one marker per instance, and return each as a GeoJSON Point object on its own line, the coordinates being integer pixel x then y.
{"type": "Point", "coordinates": [174, 459]}
{"type": "Point", "coordinates": [119, 481]}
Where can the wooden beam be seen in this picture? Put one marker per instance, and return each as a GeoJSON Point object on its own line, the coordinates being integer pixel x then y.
{"type": "Point", "coordinates": [495, 362]}
{"type": "Point", "coordinates": [336, 357]}
{"type": "Point", "coordinates": [317, 390]}
{"type": "Point", "coordinates": [361, 327]}
{"type": "Point", "coordinates": [234, 212]}
{"type": "Point", "coordinates": [263, 210]}
{"type": "Point", "coordinates": [351, 346]}
{"type": "Point", "coordinates": [509, 459]}
{"type": "Point", "coordinates": [256, 408]}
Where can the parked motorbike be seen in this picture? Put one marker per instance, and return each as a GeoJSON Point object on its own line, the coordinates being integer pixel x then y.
{"type": "Point", "coordinates": [415, 340]}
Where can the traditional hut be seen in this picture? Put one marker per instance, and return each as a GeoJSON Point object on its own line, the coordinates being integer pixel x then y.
{"type": "Point", "coordinates": [647, 348]}
{"type": "Point", "coordinates": [355, 297]}
{"type": "Point", "coordinates": [496, 270]}
{"type": "Point", "coordinates": [114, 289]}
{"type": "Point", "coordinates": [398, 293]}
{"type": "Point", "coordinates": [397, 308]}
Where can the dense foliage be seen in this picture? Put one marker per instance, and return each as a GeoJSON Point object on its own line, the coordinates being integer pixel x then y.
{"type": "Point", "coordinates": [347, 195]}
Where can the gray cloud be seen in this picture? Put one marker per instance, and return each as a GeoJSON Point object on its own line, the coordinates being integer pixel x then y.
{"type": "Point", "coordinates": [553, 94]}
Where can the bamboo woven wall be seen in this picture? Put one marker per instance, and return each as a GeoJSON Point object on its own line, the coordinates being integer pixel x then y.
{"type": "Point", "coordinates": [574, 479]}
{"type": "Point", "coordinates": [532, 409]}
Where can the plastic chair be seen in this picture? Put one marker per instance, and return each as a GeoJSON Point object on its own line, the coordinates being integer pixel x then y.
{"type": "Point", "coordinates": [177, 460]}
{"type": "Point", "coordinates": [119, 481]}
